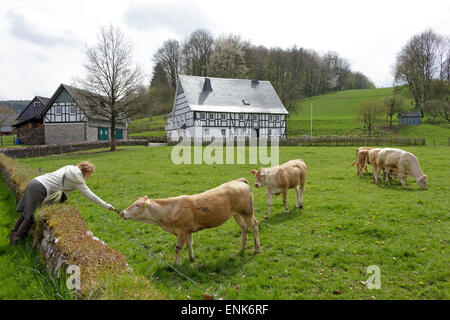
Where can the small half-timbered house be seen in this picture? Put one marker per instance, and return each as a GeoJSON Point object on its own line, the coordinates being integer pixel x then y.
{"type": "Point", "coordinates": [67, 119]}
{"type": "Point", "coordinates": [215, 107]}
{"type": "Point", "coordinates": [30, 127]}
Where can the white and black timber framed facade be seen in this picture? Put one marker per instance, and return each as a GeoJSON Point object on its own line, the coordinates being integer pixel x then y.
{"type": "Point", "coordinates": [65, 121]}
{"type": "Point", "coordinates": [214, 107]}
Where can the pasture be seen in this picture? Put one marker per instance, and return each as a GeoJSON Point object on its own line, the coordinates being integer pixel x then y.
{"type": "Point", "coordinates": [319, 252]}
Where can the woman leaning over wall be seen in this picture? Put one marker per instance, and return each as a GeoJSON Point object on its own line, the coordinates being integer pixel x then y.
{"type": "Point", "coordinates": [58, 183]}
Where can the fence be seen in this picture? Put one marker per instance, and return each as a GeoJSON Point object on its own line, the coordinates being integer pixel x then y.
{"type": "Point", "coordinates": [46, 150]}
{"type": "Point", "coordinates": [322, 141]}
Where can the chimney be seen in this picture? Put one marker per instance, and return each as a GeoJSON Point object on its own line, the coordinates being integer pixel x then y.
{"type": "Point", "coordinates": [207, 85]}
{"type": "Point", "coordinates": [255, 82]}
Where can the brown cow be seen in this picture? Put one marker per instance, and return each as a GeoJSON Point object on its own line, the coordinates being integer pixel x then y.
{"type": "Point", "coordinates": [187, 214]}
{"type": "Point", "coordinates": [371, 158]}
{"type": "Point", "coordinates": [279, 179]}
{"type": "Point", "coordinates": [361, 159]}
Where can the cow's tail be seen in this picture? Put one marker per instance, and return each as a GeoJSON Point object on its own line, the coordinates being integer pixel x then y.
{"type": "Point", "coordinates": [353, 163]}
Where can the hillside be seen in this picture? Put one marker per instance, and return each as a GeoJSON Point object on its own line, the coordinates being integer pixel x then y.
{"type": "Point", "coordinates": [17, 105]}
{"type": "Point", "coordinates": [333, 114]}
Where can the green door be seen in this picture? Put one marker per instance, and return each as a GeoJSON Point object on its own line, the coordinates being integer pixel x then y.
{"type": "Point", "coordinates": [103, 134]}
{"type": "Point", "coordinates": [119, 134]}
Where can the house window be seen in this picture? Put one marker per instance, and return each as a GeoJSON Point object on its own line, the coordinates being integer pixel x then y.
{"type": "Point", "coordinates": [255, 117]}
{"type": "Point", "coordinates": [277, 118]}
{"type": "Point", "coordinates": [206, 132]}
{"type": "Point", "coordinates": [73, 109]}
{"type": "Point", "coordinates": [222, 116]}
{"type": "Point", "coordinates": [202, 116]}
{"type": "Point", "coordinates": [36, 104]}
{"type": "Point", "coordinates": [211, 116]}
{"type": "Point", "coordinates": [58, 110]}
{"type": "Point", "coordinates": [270, 117]}
{"type": "Point", "coordinates": [224, 132]}
{"type": "Point", "coordinates": [270, 132]}
{"type": "Point", "coordinates": [241, 117]}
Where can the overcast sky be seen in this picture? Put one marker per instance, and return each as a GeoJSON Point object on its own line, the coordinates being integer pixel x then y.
{"type": "Point", "coordinates": [43, 42]}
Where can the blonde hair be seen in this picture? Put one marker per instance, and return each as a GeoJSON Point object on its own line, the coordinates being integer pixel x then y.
{"type": "Point", "coordinates": [86, 167]}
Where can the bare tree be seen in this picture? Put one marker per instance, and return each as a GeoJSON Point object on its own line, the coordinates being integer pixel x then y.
{"type": "Point", "coordinates": [197, 51]}
{"type": "Point", "coordinates": [111, 85]}
{"type": "Point", "coordinates": [370, 113]}
{"type": "Point", "coordinates": [6, 118]}
{"type": "Point", "coordinates": [418, 63]}
{"type": "Point", "coordinates": [169, 57]}
{"type": "Point", "coordinates": [393, 104]}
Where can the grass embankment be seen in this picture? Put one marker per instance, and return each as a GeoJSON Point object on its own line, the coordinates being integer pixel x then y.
{"type": "Point", "coordinates": [147, 127]}
{"type": "Point", "coordinates": [102, 268]}
{"type": "Point", "coordinates": [22, 273]}
{"type": "Point", "coordinates": [319, 252]}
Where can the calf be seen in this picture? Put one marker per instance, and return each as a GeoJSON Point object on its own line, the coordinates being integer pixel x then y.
{"type": "Point", "coordinates": [279, 179]}
{"type": "Point", "coordinates": [187, 214]}
{"type": "Point", "coordinates": [361, 159]}
{"type": "Point", "coordinates": [371, 158]}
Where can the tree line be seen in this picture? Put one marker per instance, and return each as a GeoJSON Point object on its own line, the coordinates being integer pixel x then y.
{"type": "Point", "coordinates": [295, 73]}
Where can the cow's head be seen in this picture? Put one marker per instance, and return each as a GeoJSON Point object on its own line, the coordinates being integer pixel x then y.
{"type": "Point", "coordinates": [422, 182]}
{"type": "Point", "coordinates": [137, 211]}
{"type": "Point", "coordinates": [260, 177]}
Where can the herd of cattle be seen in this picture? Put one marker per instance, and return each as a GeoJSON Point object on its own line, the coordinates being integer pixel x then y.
{"type": "Point", "coordinates": [186, 214]}
{"type": "Point", "coordinates": [394, 163]}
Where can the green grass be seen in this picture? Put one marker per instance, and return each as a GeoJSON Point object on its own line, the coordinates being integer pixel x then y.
{"type": "Point", "coordinates": [149, 134]}
{"type": "Point", "coordinates": [22, 274]}
{"type": "Point", "coordinates": [320, 252]}
{"type": "Point", "coordinates": [8, 141]}
{"type": "Point", "coordinates": [145, 124]}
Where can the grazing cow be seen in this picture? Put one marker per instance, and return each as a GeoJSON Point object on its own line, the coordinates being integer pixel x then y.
{"type": "Point", "coordinates": [187, 214]}
{"type": "Point", "coordinates": [371, 158]}
{"type": "Point", "coordinates": [401, 163]}
{"type": "Point", "coordinates": [361, 159]}
{"type": "Point", "coordinates": [279, 179]}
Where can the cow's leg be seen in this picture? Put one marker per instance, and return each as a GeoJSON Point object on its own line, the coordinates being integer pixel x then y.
{"type": "Point", "coordinates": [253, 224]}
{"type": "Point", "coordinates": [359, 169]}
{"type": "Point", "coordinates": [190, 242]}
{"type": "Point", "coordinates": [244, 231]}
{"type": "Point", "coordinates": [286, 209]}
{"type": "Point", "coordinates": [375, 173]}
{"type": "Point", "coordinates": [269, 203]}
{"type": "Point", "coordinates": [182, 238]}
{"type": "Point", "coordinates": [297, 191]}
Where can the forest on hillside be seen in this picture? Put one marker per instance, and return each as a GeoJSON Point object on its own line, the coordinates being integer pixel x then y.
{"type": "Point", "coordinates": [295, 72]}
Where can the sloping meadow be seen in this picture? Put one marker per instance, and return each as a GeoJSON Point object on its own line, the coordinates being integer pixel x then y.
{"type": "Point", "coordinates": [104, 273]}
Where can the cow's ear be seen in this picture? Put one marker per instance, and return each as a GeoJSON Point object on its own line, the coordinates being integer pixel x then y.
{"type": "Point", "coordinates": [253, 172]}
{"type": "Point", "coordinates": [145, 198]}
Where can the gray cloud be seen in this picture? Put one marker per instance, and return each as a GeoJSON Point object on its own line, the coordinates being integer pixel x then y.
{"type": "Point", "coordinates": [181, 18]}
{"type": "Point", "coordinates": [25, 30]}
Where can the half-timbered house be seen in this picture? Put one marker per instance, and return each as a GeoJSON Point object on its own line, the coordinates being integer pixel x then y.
{"type": "Point", "coordinates": [215, 107]}
{"type": "Point", "coordinates": [67, 119]}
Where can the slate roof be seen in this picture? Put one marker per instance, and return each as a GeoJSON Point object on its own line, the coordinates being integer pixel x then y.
{"type": "Point", "coordinates": [228, 95]}
{"type": "Point", "coordinates": [82, 98]}
{"type": "Point", "coordinates": [410, 114]}
{"type": "Point", "coordinates": [31, 113]}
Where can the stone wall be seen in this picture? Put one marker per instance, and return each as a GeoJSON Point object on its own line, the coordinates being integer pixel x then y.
{"type": "Point", "coordinates": [45, 150]}
{"type": "Point", "coordinates": [64, 133]}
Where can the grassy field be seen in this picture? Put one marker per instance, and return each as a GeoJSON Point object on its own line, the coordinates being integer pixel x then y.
{"type": "Point", "coordinates": [320, 252]}
{"type": "Point", "coordinates": [22, 274]}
